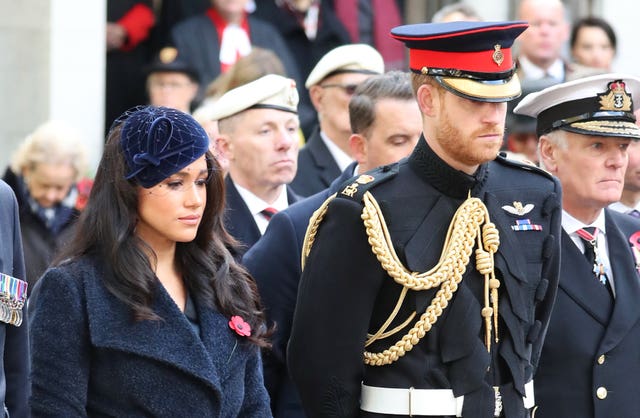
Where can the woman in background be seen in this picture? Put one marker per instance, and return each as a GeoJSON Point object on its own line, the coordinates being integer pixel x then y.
{"type": "Point", "coordinates": [44, 174]}
{"type": "Point", "coordinates": [593, 43]}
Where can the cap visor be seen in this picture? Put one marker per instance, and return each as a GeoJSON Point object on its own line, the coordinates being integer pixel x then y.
{"type": "Point", "coordinates": [605, 128]}
{"type": "Point", "coordinates": [484, 91]}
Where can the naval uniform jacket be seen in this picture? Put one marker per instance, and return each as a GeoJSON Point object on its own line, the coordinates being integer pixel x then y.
{"type": "Point", "coordinates": [14, 341]}
{"type": "Point", "coordinates": [590, 362]}
{"type": "Point", "coordinates": [90, 358]}
{"type": "Point", "coordinates": [238, 219]}
{"type": "Point", "coordinates": [316, 167]}
{"type": "Point", "coordinates": [344, 293]}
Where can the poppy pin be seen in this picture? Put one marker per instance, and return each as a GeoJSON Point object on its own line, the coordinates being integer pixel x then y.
{"type": "Point", "coordinates": [239, 326]}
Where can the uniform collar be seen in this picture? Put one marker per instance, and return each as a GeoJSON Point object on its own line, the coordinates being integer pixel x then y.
{"type": "Point", "coordinates": [446, 179]}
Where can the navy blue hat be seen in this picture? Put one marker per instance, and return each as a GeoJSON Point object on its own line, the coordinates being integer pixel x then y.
{"type": "Point", "coordinates": [470, 59]}
{"type": "Point", "coordinates": [158, 142]}
{"type": "Point", "coordinates": [169, 60]}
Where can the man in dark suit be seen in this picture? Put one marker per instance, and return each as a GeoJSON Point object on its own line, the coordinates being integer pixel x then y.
{"type": "Point", "coordinates": [429, 283]}
{"type": "Point", "coordinates": [14, 340]}
{"type": "Point", "coordinates": [331, 84]}
{"type": "Point", "coordinates": [589, 365]}
{"type": "Point", "coordinates": [258, 135]}
{"type": "Point", "coordinates": [386, 126]}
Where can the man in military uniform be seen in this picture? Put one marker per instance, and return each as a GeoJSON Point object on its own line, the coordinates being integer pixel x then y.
{"type": "Point", "coordinates": [589, 365]}
{"type": "Point", "coordinates": [429, 283]}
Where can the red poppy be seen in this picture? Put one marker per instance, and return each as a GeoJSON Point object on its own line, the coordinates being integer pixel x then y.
{"type": "Point", "coordinates": [239, 326]}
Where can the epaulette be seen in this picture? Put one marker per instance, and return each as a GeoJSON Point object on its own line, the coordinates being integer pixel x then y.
{"type": "Point", "coordinates": [522, 164]}
{"type": "Point", "coordinates": [356, 187]}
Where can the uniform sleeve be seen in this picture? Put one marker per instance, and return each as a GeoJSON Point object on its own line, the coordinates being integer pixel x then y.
{"type": "Point", "coordinates": [59, 347]}
{"type": "Point", "coordinates": [256, 399]}
{"type": "Point", "coordinates": [274, 262]}
{"type": "Point", "coordinates": [16, 348]}
{"type": "Point", "coordinates": [137, 22]}
{"type": "Point", "coordinates": [550, 272]}
{"type": "Point", "coordinates": [336, 296]}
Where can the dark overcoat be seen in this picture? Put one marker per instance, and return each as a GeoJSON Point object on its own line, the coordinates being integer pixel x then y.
{"type": "Point", "coordinates": [14, 342]}
{"type": "Point", "coordinates": [238, 219]}
{"type": "Point", "coordinates": [90, 358]}
{"type": "Point", "coordinates": [316, 167]}
{"type": "Point", "coordinates": [590, 363]}
{"type": "Point", "coordinates": [344, 293]}
{"type": "Point", "coordinates": [39, 243]}
{"type": "Point", "coordinates": [274, 262]}
{"type": "Point", "coordinates": [197, 40]}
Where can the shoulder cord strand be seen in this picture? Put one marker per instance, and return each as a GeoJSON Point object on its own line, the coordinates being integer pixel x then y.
{"type": "Point", "coordinates": [464, 229]}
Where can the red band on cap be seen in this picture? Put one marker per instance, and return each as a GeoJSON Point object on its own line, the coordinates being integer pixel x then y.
{"type": "Point", "coordinates": [479, 62]}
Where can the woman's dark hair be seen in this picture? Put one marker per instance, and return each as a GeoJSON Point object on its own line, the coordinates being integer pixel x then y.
{"type": "Point", "coordinates": [592, 21]}
{"type": "Point", "coordinates": [106, 228]}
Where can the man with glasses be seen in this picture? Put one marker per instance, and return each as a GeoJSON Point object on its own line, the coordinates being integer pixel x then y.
{"type": "Point", "coordinates": [171, 81]}
{"type": "Point", "coordinates": [331, 83]}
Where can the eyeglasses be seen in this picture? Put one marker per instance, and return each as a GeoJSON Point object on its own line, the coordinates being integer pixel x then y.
{"type": "Point", "coordinates": [350, 89]}
{"type": "Point", "coordinates": [170, 85]}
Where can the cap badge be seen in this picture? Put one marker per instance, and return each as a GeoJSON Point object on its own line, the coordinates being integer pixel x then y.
{"type": "Point", "coordinates": [518, 208]}
{"type": "Point", "coordinates": [497, 56]}
{"type": "Point", "coordinates": [424, 71]}
{"type": "Point", "coordinates": [168, 55]}
{"type": "Point", "coordinates": [615, 98]}
{"type": "Point", "coordinates": [293, 94]}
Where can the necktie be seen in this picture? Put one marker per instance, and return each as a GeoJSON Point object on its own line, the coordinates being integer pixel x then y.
{"type": "Point", "coordinates": [589, 238]}
{"type": "Point", "coordinates": [269, 212]}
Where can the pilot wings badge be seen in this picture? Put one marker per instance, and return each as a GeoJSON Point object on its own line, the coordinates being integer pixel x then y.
{"type": "Point", "coordinates": [518, 209]}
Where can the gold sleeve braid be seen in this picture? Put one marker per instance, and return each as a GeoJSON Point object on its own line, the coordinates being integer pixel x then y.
{"type": "Point", "coordinates": [470, 224]}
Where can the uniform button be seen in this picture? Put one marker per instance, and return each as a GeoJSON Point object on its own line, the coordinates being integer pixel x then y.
{"type": "Point", "coordinates": [601, 392]}
{"type": "Point", "coordinates": [601, 359]}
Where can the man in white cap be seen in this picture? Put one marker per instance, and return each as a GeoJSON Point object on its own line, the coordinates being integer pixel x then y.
{"type": "Point", "coordinates": [258, 124]}
{"type": "Point", "coordinates": [589, 363]}
{"type": "Point", "coordinates": [331, 84]}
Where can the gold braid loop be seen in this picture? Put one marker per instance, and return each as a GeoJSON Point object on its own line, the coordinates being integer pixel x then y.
{"type": "Point", "coordinates": [460, 239]}
{"type": "Point", "coordinates": [463, 231]}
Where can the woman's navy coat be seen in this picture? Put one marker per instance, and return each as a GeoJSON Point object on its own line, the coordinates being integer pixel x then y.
{"type": "Point", "coordinates": [90, 358]}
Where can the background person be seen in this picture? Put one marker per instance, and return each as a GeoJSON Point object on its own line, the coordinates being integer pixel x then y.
{"type": "Point", "coordinates": [148, 314]}
{"type": "Point", "coordinates": [593, 43]}
{"type": "Point", "coordinates": [588, 366]}
{"type": "Point", "coordinates": [258, 124]}
{"type": "Point", "coordinates": [45, 174]}
{"type": "Point", "coordinates": [171, 82]}
{"type": "Point", "coordinates": [331, 84]}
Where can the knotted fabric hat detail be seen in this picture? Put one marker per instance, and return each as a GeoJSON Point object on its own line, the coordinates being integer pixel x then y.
{"type": "Point", "coordinates": [158, 142]}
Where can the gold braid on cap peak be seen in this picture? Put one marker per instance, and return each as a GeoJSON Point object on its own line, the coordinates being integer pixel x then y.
{"type": "Point", "coordinates": [464, 230]}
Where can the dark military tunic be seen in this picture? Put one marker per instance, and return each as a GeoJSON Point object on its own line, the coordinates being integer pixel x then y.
{"type": "Point", "coordinates": [344, 292]}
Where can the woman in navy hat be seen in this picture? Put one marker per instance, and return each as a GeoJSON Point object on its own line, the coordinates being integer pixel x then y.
{"type": "Point", "coordinates": [148, 314]}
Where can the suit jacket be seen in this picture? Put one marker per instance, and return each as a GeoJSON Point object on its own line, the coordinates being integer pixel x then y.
{"type": "Point", "coordinates": [345, 293]}
{"type": "Point", "coordinates": [316, 167]}
{"type": "Point", "coordinates": [91, 358]}
{"type": "Point", "coordinates": [274, 262]}
{"type": "Point", "coordinates": [14, 341]}
{"type": "Point", "coordinates": [197, 40]}
{"type": "Point", "coordinates": [593, 343]}
{"type": "Point", "coordinates": [239, 220]}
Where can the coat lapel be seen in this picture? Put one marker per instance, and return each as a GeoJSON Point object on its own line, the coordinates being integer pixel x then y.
{"type": "Point", "coordinates": [238, 218]}
{"type": "Point", "coordinates": [170, 340]}
{"type": "Point", "coordinates": [627, 287]}
{"type": "Point", "coordinates": [577, 280]}
{"type": "Point", "coordinates": [328, 169]}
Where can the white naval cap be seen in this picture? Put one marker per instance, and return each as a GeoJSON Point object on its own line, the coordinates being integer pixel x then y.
{"type": "Point", "coordinates": [352, 58]}
{"type": "Point", "coordinates": [600, 105]}
{"type": "Point", "coordinates": [268, 92]}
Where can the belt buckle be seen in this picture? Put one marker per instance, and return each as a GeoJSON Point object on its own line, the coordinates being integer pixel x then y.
{"type": "Point", "coordinates": [498, 401]}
